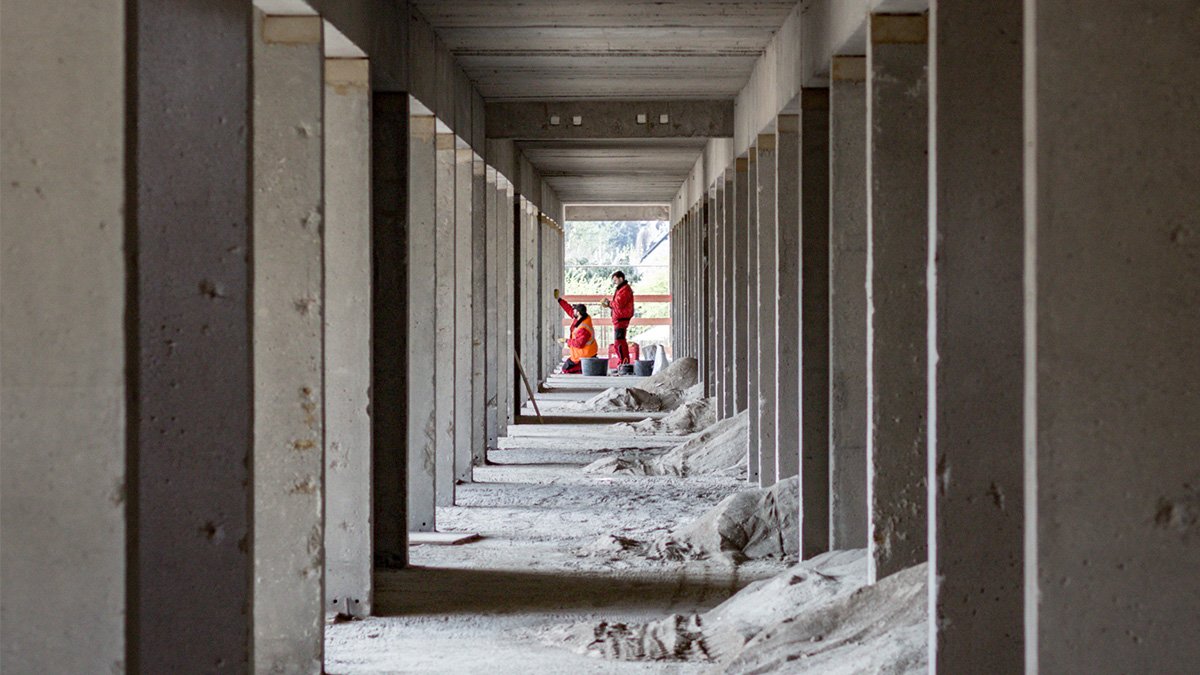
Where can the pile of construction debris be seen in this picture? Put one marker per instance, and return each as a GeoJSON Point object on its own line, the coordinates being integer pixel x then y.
{"type": "Point", "coordinates": [722, 448]}
{"type": "Point", "coordinates": [664, 390]}
{"type": "Point", "coordinates": [748, 525]}
{"type": "Point", "coordinates": [818, 616]}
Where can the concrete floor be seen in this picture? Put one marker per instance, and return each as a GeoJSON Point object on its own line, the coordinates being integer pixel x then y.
{"type": "Point", "coordinates": [546, 559]}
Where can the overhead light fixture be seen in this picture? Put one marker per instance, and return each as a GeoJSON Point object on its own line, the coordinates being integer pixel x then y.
{"type": "Point", "coordinates": [554, 120]}
{"type": "Point", "coordinates": [577, 120]}
{"type": "Point", "coordinates": [664, 118]}
{"type": "Point", "coordinates": [641, 118]}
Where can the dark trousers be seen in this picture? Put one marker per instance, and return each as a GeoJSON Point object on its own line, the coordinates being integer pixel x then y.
{"type": "Point", "coordinates": [570, 367]}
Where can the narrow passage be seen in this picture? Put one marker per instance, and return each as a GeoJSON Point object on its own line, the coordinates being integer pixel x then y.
{"type": "Point", "coordinates": [553, 552]}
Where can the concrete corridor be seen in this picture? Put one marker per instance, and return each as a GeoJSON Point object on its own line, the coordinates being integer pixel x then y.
{"type": "Point", "coordinates": [273, 274]}
{"type": "Point", "coordinates": [547, 558]}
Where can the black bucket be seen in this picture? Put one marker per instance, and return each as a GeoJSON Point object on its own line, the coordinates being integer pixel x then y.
{"type": "Point", "coordinates": [643, 367]}
{"type": "Point", "coordinates": [625, 369]}
{"type": "Point", "coordinates": [594, 366]}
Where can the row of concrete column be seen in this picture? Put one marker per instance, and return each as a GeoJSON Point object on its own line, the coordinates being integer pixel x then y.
{"type": "Point", "coordinates": [961, 279]}
{"type": "Point", "coordinates": [238, 367]}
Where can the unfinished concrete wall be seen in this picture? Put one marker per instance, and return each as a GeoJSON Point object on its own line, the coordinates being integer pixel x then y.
{"type": "Point", "coordinates": [288, 403]}
{"type": "Point", "coordinates": [347, 358]}
{"type": "Point", "coordinates": [787, 290]}
{"type": "Point", "coordinates": [768, 301]}
{"type": "Point", "coordinates": [1111, 296]}
{"type": "Point", "coordinates": [464, 313]}
{"type": "Point", "coordinates": [63, 274]}
{"type": "Point", "coordinates": [191, 396]}
{"type": "Point", "coordinates": [421, 356]}
{"type": "Point", "coordinates": [848, 303]}
{"type": "Point", "coordinates": [814, 321]}
{"type": "Point", "coordinates": [897, 138]}
{"type": "Point", "coordinates": [444, 305]}
{"type": "Point", "coordinates": [976, 376]}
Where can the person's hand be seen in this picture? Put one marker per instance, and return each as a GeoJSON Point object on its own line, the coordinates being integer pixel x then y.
{"type": "Point", "coordinates": [604, 302]}
{"type": "Point", "coordinates": [556, 294]}
{"type": "Point", "coordinates": [562, 341]}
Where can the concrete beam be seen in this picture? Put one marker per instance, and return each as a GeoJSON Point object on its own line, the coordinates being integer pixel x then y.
{"type": "Point", "coordinates": [814, 321]}
{"type": "Point", "coordinates": [288, 404]}
{"type": "Point", "coordinates": [848, 303]}
{"type": "Point", "coordinates": [347, 358]}
{"type": "Point", "coordinates": [616, 212]}
{"type": "Point", "coordinates": [897, 251]}
{"type": "Point", "coordinates": [1111, 292]}
{"type": "Point", "coordinates": [573, 120]}
{"type": "Point", "coordinates": [64, 271]}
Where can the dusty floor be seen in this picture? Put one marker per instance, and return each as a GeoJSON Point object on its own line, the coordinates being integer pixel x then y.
{"type": "Point", "coordinates": [547, 558]}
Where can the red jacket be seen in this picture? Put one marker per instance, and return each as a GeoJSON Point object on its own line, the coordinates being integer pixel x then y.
{"type": "Point", "coordinates": [622, 305]}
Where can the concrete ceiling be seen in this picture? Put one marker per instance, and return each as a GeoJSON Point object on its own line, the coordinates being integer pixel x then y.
{"type": "Point", "coordinates": [527, 50]}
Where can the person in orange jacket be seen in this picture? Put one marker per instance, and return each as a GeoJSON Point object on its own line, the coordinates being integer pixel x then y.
{"type": "Point", "coordinates": [583, 336]}
{"type": "Point", "coordinates": [621, 305]}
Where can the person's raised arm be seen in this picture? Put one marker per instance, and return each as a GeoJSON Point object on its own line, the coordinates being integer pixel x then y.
{"type": "Point", "coordinates": [566, 306]}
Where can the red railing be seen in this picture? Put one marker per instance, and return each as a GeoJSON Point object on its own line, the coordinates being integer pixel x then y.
{"type": "Point", "coordinates": [607, 321]}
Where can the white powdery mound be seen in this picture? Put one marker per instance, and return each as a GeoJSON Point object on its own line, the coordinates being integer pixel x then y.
{"type": "Point", "coordinates": [749, 525]}
{"type": "Point", "coordinates": [719, 449]}
{"type": "Point", "coordinates": [688, 418]}
{"type": "Point", "coordinates": [817, 616]}
{"type": "Point", "coordinates": [662, 391]}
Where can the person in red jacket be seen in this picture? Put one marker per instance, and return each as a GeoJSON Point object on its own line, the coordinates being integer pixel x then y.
{"type": "Point", "coordinates": [583, 337]}
{"type": "Point", "coordinates": [622, 312]}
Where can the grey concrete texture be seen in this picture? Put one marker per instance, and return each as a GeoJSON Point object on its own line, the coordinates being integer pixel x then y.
{"type": "Point", "coordinates": [724, 278]}
{"type": "Point", "coordinates": [347, 349]}
{"type": "Point", "coordinates": [848, 308]}
{"type": "Point", "coordinates": [787, 291]}
{"type": "Point", "coordinates": [977, 380]}
{"type": "Point", "coordinates": [191, 351]}
{"type": "Point", "coordinates": [464, 314]}
{"type": "Point", "coordinates": [390, 141]}
{"type": "Point", "coordinates": [897, 248]}
{"type": "Point", "coordinates": [711, 286]}
{"type": "Point", "coordinates": [814, 321]}
{"type": "Point", "coordinates": [445, 305]}
{"type": "Point", "coordinates": [1111, 367]}
{"type": "Point", "coordinates": [288, 331]}
{"type": "Point", "coordinates": [63, 491]}
{"type": "Point", "coordinates": [492, 310]}
{"type": "Point", "coordinates": [605, 120]}
{"type": "Point", "coordinates": [768, 309]}
{"type": "Point", "coordinates": [482, 316]}
{"type": "Point", "coordinates": [739, 259]}
{"type": "Point", "coordinates": [421, 356]}
{"type": "Point", "coordinates": [750, 296]}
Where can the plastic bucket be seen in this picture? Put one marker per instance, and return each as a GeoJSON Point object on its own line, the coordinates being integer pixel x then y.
{"type": "Point", "coordinates": [593, 366]}
{"type": "Point", "coordinates": [643, 367]}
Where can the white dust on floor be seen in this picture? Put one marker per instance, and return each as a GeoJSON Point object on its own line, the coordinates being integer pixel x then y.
{"type": "Point", "coordinates": [552, 554]}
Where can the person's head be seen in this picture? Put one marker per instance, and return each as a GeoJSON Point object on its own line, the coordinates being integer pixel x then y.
{"type": "Point", "coordinates": [580, 311]}
{"type": "Point", "coordinates": [618, 278]}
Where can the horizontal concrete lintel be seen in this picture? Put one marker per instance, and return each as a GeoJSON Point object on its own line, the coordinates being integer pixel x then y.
{"type": "Point", "coordinates": [533, 120]}
{"type": "Point", "coordinates": [766, 142]}
{"type": "Point", "coordinates": [814, 98]}
{"type": "Point", "coordinates": [292, 30]}
{"type": "Point", "coordinates": [849, 68]}
{"type": "Point", "coordinates": [347, 72]}
{"type": "Point", "coordinates": [899, 29]}
{"type": "Point", "coordinates": [617, 212]}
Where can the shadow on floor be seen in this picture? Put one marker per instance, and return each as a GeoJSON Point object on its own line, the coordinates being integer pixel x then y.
{"type": "Point", "coordinates": [425, 590]}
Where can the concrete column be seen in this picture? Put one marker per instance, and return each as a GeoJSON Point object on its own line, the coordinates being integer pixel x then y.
{"type": "Point", "coordinates": [749, 295]}
{"type": "Point", "coordinates": [495, 415]}
{"type": "Point", "coordinates": [725, 292]}
{"type": "Point", "coordinates": [768, 307]}
{"type": "Point", "coordinates": [188, 335]}
{"type": "Point", "coordinates": [288, 467]}
{"type": "Point", "coordinates": [848, 303]}
{"type": "Point", "coordinates": [421, 301]}
{"type": "Point", "coordinates": [63, 397]}
{"type": "Point", "coordinates": [482, 315]}
{"type": "Point", "coordinates": [390, 141]}
{"type": "Point", "coordinates": [814, 321]}
{"type": "Point", "coordinates": [739, 354]}
{"type": "Point", "coordinates": [464, 313]}
{"type": "Point", "coordinates": [787, 293]}
{"type": "Point", "coordinates": [444, 354]}
{"type": "Point", "coordinates": [711, 285]}
{"type": "Point", "coordinates": [975, 352]}
{"type": "Point", "coordinates": [507, 305]}
{"type": "Point", "coordinates": [1112, 288]}
{"type": "Point", "coordinates": [896, 304]}
{"type": "Point", "coordinates": [347, 336]}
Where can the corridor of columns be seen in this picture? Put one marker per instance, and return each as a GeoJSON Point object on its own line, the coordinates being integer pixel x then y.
{"type": "Point", "coordinates": [282, 351]}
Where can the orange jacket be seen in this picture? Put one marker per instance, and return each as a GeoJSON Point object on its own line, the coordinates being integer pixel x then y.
{"type": "Point", "coordinates": [583, 336]}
